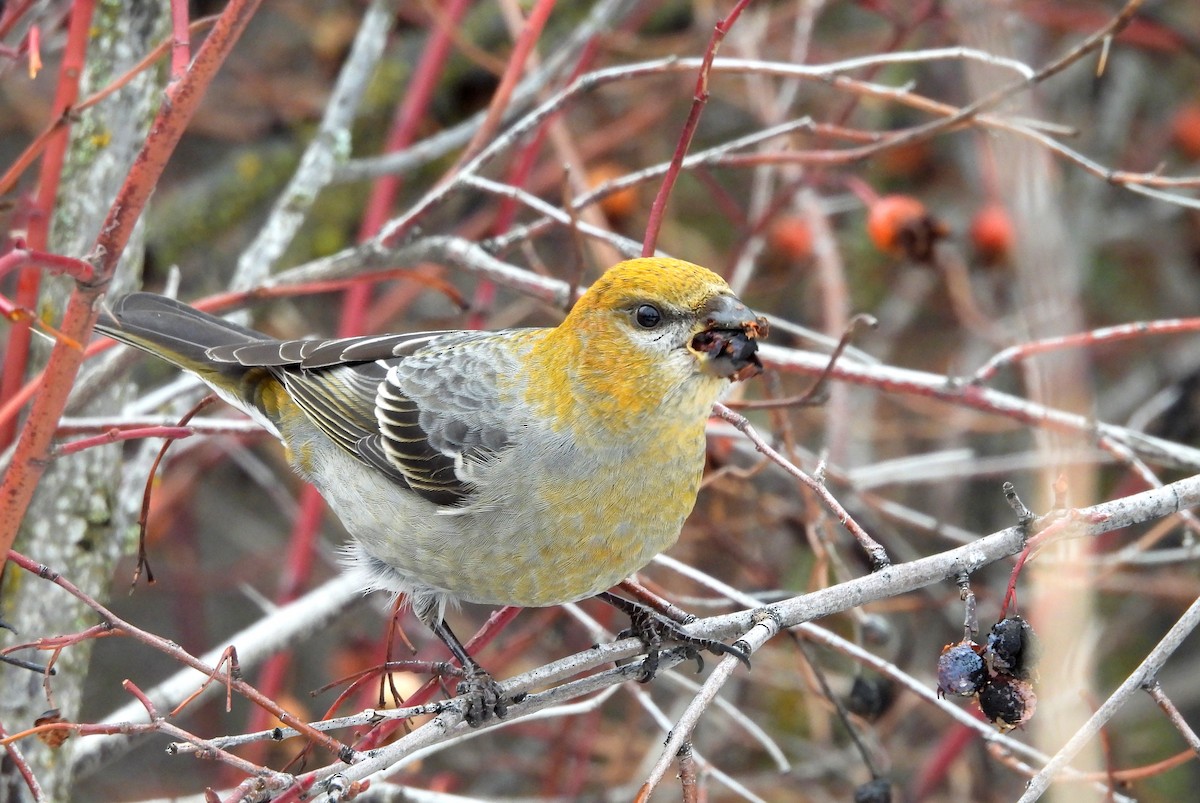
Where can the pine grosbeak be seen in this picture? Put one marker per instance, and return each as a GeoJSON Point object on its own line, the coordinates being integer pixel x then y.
{"type": "Point", "coordinates": [528, 467]}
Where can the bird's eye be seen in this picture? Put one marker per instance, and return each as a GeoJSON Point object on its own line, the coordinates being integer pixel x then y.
{"type": "Point", "coordinates": [647, 316]}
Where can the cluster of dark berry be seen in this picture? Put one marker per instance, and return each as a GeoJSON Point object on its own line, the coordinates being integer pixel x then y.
{"type": "Point", "coordinates": [998, 674]}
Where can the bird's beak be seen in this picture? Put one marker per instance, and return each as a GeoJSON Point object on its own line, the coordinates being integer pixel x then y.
{"type": "Point", "coordinates": [728, 340]}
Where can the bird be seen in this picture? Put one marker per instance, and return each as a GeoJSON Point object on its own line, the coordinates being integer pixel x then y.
{"type": "Point", "coordinates": [528, 466]}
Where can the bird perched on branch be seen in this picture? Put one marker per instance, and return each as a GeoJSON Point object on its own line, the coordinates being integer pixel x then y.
{"type": "Point", "coordinates": [529, 467]}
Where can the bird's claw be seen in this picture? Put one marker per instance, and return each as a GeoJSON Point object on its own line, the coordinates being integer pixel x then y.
{"type": "Point", "coordinates": [654, 629]}
{"type": "Point", "coordinates": [481, 698]}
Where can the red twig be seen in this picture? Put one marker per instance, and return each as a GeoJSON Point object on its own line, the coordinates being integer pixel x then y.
{"type": "Point", "coordinates": [302, 549]}
{"type": "Point", "coordinates": [141, 697]}
{"type": "Point", "coordinates": [491, 628]}
{"type": "Point", "coordinates": [223, 301]}
{"type": "Point", "coordinates": [534, 24]}
{"type": "Point", "coordinates": [117, 434]}
{"type": "Point", "coordinates": [35, 50]}
{"type": "Point", "coordinates": [378, 735]}
{"type": "Point", "coordinates": [16, 355]}
{"type": "Point", "coordinates": [22, 258]}
{"type": "Point", "coordinates": [1155, 690]}
{"type": "Point", "coordinates": [404, 129]}
{"type": "Point", "coordinates": [31, 152]}
{"type": "Point", "coordinates": [699, 101]}
{"type": "Point", "coordinates": [157, 724]}
{"type": "Point", "coordinates": [518, 176]}
{"type": "Point", "coordinates": [11, 13]}
{"type": "Point", "coordinates": [941, 758]}
{"type": "Point", "coordinates": [1059, 529]}
{"type": "Point", "coordinates": [143, 557]}
{"type": "Point", "coordinates": [147, 60]}
{"type": "Point", "coordinates": [688, 781]}
{"type": "Point", "coordinates": [57, 643]}
{"type": "Point", "coordinates": [178, 654]}
{"type": "Point", "coordinates": [499, 102]}
{"type": "Point", "coordinates": [359, 680]}
{"type": "Point", "coordinates": [864, 191]}
{"type": "Point", "coordinates": [233, 673]}
{"type": "Point", "coordinates": [19, 165]}
{"type": "Point", "coordinates": [181, 43]}
{"type": "Point", "coordinates": [17, 314]}
{"type": "Point", "coordinates": [32, 449]}
{"type": "Point", "coordinates": [22, 766]}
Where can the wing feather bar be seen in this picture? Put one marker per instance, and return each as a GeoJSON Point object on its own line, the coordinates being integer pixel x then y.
{"type": "Point", "coordinates": [406, 445]}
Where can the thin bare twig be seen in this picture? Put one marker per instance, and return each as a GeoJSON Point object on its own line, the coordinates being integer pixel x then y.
{"type": "Point", "coordinates": [875, 553]}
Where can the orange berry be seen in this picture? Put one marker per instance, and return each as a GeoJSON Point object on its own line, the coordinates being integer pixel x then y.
{"type": "Point", "coordinates": [789, 235]}
{"type": "Point", "coordinates": [992, 233]}
{"type": "Point", "coordinates": [616, 205]}
{"type": "Point", "coordinates": [56, 737]}
{"type": "Point", "coordinates": [1185, 130]}
{"type": "Point", "coordinates": [901, 226]}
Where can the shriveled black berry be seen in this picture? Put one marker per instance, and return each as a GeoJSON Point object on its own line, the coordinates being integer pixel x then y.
{"type": "Point", "coordinates": [870, 696]}
{"type": "Point", "coordinates": [1012, 648]}
{"type": "Point", "coordinates": [1007, 702]}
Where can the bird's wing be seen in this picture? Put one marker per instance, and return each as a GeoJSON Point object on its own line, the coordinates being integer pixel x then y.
{"type": "Point", "coordinates": [441, 414]}
{"type": "Point", "coordinates": [417, 407]}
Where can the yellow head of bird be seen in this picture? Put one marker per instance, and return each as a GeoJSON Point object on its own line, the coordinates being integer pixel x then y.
{"type": "Point", "coordinates": [670, 309]}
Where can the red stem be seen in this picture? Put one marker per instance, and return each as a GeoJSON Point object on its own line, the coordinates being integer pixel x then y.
{"type": "Point", "coordinates": [31, 454]}
{"type": "Point", "coordinates": [491, 628]}
{"type": "Point", "coordinates": [34, 48]}
{"type": "Point", "coordinates": [380, 733]}
{"type": "Point", "coordinates": [16, 354]}
{"type": "Point", "coordinates": [302, 547]}
{"type": "Point", "coordinates": [534, 24]}
{"type": "Point", "coordinates": [37, 261]}
{"type": "Point", "coordinates": [113, 624]}
{"type": "Point", "coordinates": [865, 192]}
{"type": "Point", "coordinates": [19, 165]}
{"type": "Point", "coordinates": [141, 697]}
{"type": "Point", "coordinates": [10, 15]}
{"type": "Point", "coordinates": [485, 291]}
{"type": "Point", "coordinates": [181, 40]}
{"type": "Point", "coordinates": [699, 101]}
{"type": "Point", "coordinates": [117, 434]}
{"type": "Point", "coordinates": [22, 766]}
{"type": "Point", "coordinates": [405, 126]}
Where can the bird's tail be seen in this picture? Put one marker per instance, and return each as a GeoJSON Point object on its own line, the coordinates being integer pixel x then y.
{"type": "Point", "coordinates": [177, 333]}
{"type": "Point", "coordinates": [183, 336]}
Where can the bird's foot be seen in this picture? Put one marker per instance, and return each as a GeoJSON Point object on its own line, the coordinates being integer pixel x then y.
{"type": "Point", "coordinates": [654, 630]}
{"type": "Point", "coordinates": [480, 694]}
{"type": "Point", "coordinates": [481, 697]}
